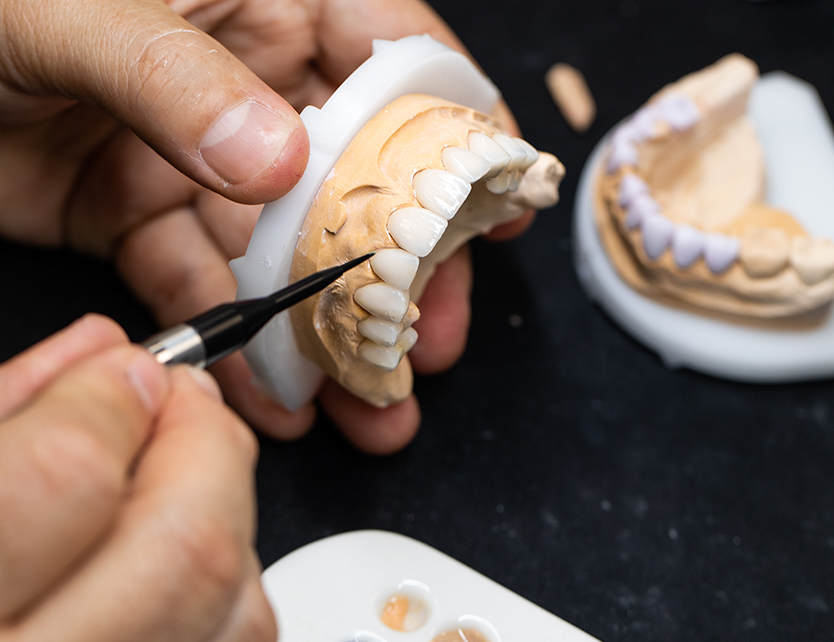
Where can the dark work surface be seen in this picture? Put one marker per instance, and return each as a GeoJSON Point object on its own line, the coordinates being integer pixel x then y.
{"type": "Point", "coordinates": [560, 457]}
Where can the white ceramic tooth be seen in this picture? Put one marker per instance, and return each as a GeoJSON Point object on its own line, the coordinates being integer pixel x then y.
{"type": "Point", "coordinates": [657, 233]}
{"type": "Point", "coordinates": [631, 186]}
{"type": "Point", "coordinates": [490, 151]}
{"type": "Point", "coordinates": [687, 245]}
{"type": "Point", "coordinates": [517, 154]}
{"type": "Point", "coordinates": [813, 259]}
{"type": "Point", "coordinates": [383, 301]}
{"type": "Point", "coordinates": [623, 153]}
{"type": "Point", "coordinates": [764, 251]}
{"type": "Point", "coordinates": [500, 183]}
{"type": "Point", "coordinates": [468, 165]}
{"type": "Point", "coordinates": [531, 152]}
{"type": "Point", "coordinates": [720, 251]}
{"type": "Point", "coordinates": [440, 191]}
{"type": "Point", "coordinates": [407, 339]}
{"type": "Point", "coordinates": [385, 333]}
{"type": "Point", "coordinates": [641, 207]}
{"type": "Point", "coordinates": [396, 267]}
{"type": "Point", "coordinates": [386, 358]}
{"type": "Point", "coordinates": [679, 111]}
{"type": "Point", "coordinates": [515, 181]}
{"type": "Point", "coordinates": [416, 230]}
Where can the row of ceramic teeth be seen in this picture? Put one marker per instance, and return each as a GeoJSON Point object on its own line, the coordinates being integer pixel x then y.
{"type": "Point", "coordinates": [762, 252]}
{"type": "Point", "coordinates": [501, 161]}
{"type": "Point", "coordinates": [676, 111]}
{"type": "Point", "coordinates": [659, 233]}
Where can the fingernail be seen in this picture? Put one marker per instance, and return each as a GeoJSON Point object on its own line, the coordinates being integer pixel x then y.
{"type": "Point", "coordinates": [148, 379]}
{"type": "Point", "coordinates": [245, 141]}
{"type": "Point", "coordinates": [205, 381]}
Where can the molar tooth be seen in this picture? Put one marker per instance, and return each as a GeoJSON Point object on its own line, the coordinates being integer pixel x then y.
{"type": "Point", "coordinates": [396, 267]}
{"type": "Point", "coordinates": [657, 232]}
{"type": "Point", "coordinates": [631, 186]}
{"type": "Point", "coordinates": [383, 300]}
{"type": "Point", "coordinates": [720, 251]}
{"type": "Point", "coordinates": [499, 184]}
{"type": "Point", "coordinates": [381, 357]}
{"type": "Point", "coordinates": [380, 331]}
{"type": "Point", "coordinates": [641, 207]}
{"type": "Point", "coordinates": [464, 163]}
{"type": "Point", "coordinates": [416, 230]}
{"type": "Point", "coordinates": [813, 259]}
{"type": "Point", "coordinates": [531, 152]}
{"type": "Point", "coordinates": [687, 245]}
{"type": "Point", "coordinates": [490, 151]}
{"type": "Point", "coordinates": [764, 251]}
{"type": "Point", "coordinates": [517, 154]}
{"type": "Point", "coordinates": [440, 191]}
{"type": "Point", "coordinates": [407, 340]}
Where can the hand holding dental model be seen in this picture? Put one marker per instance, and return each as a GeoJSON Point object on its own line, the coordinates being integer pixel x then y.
{"type": "Point", "coordinates": [124, 129]}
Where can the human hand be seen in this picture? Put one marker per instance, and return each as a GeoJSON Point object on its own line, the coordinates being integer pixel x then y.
{"type": "Point", "coordinates": [127, 499]}
{"type": "Point", "coordinates": [74, 77]}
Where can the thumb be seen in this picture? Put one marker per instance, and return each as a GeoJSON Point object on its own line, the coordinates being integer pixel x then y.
{"type": "Point", "coordinates": [179, 89]}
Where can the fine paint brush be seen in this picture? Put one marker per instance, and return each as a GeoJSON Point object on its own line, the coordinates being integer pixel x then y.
{"type": "Point", "coordinates": [210, 336]}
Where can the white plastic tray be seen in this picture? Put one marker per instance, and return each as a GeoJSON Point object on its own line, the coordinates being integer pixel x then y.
{"type": "Point", "coordinates": [798, 143]}
{"type": "Point", "coordinates": [333, 590]}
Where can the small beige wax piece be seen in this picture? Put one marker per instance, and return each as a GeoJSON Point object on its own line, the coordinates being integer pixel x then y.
{"type": "Point", "coordinates": [572, 96]}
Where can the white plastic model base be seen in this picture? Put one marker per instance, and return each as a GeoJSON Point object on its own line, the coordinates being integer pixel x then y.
{"type": "Point", "coordinates": [334, 590]}
{"type": "Point", "coordinates": [798, 142]}
{"type": "Point", "coordinates": [415, 64]}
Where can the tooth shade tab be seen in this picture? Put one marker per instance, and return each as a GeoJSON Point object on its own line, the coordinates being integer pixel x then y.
{"type": "Point", "coordinates": [531, 152]}
{"type": "Point", "coordinates": [380, 331]}
{"type": "Point", "coordinates": [381, 357]}
{"type": "Point", "coordinates": [468, 165]}
{"type": "Point", "coordinates": [440, 191]}
{"type": "Point", "coordinates": [500, 183]}
{"type": "Point", "coordinates": [396, 267]}
{"type": "Point", "coordinates": [383, 301]}
{"type": "Point", "coordinates": [720, 251]}
{"type": "Point", "coordinates": [517, 154]}
{"type": "Point", "coordinates": [657, 233]}
{"type": "Point", "coordinates": [416, 230]}
{"type": "Point", "coordinates": [407, 340]}
{"type": "Point", "coordinates": [490, 151]}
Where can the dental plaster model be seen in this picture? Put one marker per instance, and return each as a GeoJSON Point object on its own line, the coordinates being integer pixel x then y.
{"type": "Point", "coordinates": [405, 161]}
{"type": "Point", "coordinates": [680, 211]}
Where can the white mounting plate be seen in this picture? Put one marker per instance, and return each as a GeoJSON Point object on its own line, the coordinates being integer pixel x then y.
{"type": "Point", "coordinates": [414, 64]}
{"type": "Point", "coordinates": [333, 591]}
{"type": "Point", "coordinates": [798, 142]}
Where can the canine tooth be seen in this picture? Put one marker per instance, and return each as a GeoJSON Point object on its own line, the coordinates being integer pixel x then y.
{"type": "Point", "coordinates": [813, 259]}
{"type": "Point", "coordinates": [380, 331]}
{"type": "Point", "coordinates": [499, 184]}
{"type": "Point", "coordinates": [622, 153]}
{"type": "Point", "coordinates": [517, 154]}
{"type": "Point", "coordinates": [720, 251]}
{"type": "Point", "coordinates": [764, 251]}
{"type": "Point", "coordinates": [396, 267]}
{"type": "Point", "coordinates": [531, 152]}
{"type": "Point", "coordinates": [687, 245]}
{"type": "Point", "coordinates": [383, 300]}
{"type": "Point", "coordinates": [657, 232]}
{"type": "Point", "coordinates": [631, 186]}
{"type": "Point", "coordinates": [407, 339]}
{"type": "Point", "coordinates": [641, 207]}
{"type": "Point", "coordinates": [386, 358]}
{"type": "Point", "coordinates": [416, 230]}
{"type": "Point", "coordinates": [440, 191]}
{"type": "Point", "coordinates": [464, 163]}
{"type": "Point", "coordinates": [490, 151]}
